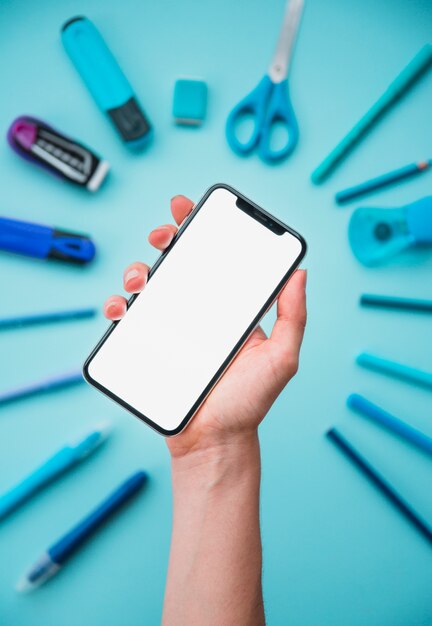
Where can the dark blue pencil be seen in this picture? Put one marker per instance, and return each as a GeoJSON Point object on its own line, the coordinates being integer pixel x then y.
{"type": "Point", "coordinates": [393, 302]}
{"type": "Point", "coordinates": [45, 318]}
{"type": "Point", "coordinates": [362, 189]}
{"type": "Point", "coordinates": [379, 481]}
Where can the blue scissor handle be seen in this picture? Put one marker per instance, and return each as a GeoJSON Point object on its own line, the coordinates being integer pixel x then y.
{"type": "Point", "coordinates": [279, 110]}
{"type": "Point", "coordinates": [254, 104]}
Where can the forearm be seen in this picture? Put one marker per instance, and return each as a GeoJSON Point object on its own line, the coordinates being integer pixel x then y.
{"type": "Point", "coordinates": [214, 575]}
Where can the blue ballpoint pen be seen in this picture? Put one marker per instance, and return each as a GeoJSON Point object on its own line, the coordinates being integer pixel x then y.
{"type": "Point", "coordinates": [63, 460]}
{"type": "Point", "coordinates": [58, 554]}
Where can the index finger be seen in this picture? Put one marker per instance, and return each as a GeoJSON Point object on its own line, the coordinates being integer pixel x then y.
{"type": "Point", "coordinates": [180, 208]}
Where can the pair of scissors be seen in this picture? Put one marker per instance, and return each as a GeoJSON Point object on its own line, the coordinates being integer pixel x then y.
{"type": "Point", "coordinates": [269, 103]}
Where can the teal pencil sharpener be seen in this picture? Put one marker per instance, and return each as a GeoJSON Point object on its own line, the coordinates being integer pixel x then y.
{"type": "Point", "coordinates": [105, 80]}
{"type": "Point", "coordinates": [376, 235]}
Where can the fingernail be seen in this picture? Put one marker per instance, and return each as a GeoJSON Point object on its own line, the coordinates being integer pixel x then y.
{"type": "Point", "coordinates": [170, 235]}
{"type": "Point", "coordinates": [131, 274]}
{"type": "Point", "coordinates": [115, 306]}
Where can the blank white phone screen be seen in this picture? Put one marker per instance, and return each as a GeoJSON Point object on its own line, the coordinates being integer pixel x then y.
{"type": "Point", "coordinates": [194, 310]}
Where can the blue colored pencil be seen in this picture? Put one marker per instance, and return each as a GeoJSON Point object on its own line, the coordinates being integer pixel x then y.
{"type": "Point", "coordinates": [393, 302]}
{"type": "Point", "coordinates": [417, 437]}
{"type": "Point", "coordinates": [42, 386]}
{"type": "Point", "coordinates": [362, 189]}
{"type": "Point", "coordinates": [45, 318]}
{"type": "Point", "coordinates": [398, 370]}
{"type": "Point", "coordinates": [53, 559]}
{"type": "Point", "coordinates": [379, 481]}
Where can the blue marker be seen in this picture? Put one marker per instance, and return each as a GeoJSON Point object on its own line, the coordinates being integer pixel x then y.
{"type": "Point", "coordinates": [376, 413]}
{"type": "Point", "coordinates": [41, 386]}
{"type": "Point", "coordinates": [60, 552]}
{"type": "Point", "coordinates": [398, 370]}
{"type": "Point", "coordinates": [105, 80]}
{"type": "Point", "coordinates": [63, 460]}
{"type": "Point", "coordinates": [45, 242]}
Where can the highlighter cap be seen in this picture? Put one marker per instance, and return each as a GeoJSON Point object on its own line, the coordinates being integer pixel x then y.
{"type": "Point", "coordinates": [105, 80]}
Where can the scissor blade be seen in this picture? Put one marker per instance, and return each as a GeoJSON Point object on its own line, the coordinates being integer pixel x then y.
{"type": "Point", "coordinates": [278, 69]}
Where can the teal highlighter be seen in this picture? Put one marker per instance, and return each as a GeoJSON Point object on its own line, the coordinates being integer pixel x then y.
{"type": "Point", "coordinates": [105, 80]}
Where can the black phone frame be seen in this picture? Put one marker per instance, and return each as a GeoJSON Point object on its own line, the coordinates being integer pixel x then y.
{"type": "Point", "coordinates": [267, 220]}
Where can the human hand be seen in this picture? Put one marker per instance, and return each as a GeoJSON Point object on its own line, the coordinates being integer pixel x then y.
{"type": "Point", "coordinates": [243, 396]}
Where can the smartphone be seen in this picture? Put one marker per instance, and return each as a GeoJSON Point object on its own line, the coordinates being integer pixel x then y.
{"type": "Point", "coordinates": [205, 295]}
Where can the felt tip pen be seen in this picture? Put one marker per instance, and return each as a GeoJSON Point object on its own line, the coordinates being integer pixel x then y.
{"type": "Point", "coordinates": [42, 145]}
{"type": "Point", "coordinates": [105, 80]}
{"type": "Point", "coordinates": [64, 459]}
{"type": "Point", "coordinates": [60, 552]}
{"type": "Point", "coordinates": [45, 242]}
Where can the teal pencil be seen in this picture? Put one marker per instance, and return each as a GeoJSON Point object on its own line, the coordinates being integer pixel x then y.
{"type": "Point", "coordinates": [420, 64]}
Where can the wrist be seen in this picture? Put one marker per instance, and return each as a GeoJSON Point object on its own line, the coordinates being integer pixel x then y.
{"type": "Point", "coordinates": [222, 463]}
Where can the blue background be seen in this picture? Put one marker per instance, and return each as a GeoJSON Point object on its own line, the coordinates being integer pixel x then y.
{"type": "Point", "coordinates": [335, 552]}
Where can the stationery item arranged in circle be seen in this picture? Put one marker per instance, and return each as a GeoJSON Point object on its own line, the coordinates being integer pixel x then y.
{"type": "Point", "coordinates": [66, 158]}
{"type": "Point", "coordinates": [45, 385]}
{"type": "Point", "coordinates": [55, 466]}
{"type": "Point", "coordinates": [376, 235]}
{"type": "Point", "coordinates": [382, 181]}
{"type": "Point", "coordinates": [45, 242]}
{"type": "Point", "coordinates": [57, 555]}
{"type": "Point", "coordinates": [46, 317]}
{"type": "Point", "coordinates": [397, 370]}
{"type": "Point", "coordinates": [189, 102]}
{"type": "Point", "coordinates": [395, 302]}
{"type": "Point", "coordinates": [376, 478]}
{"type": "Point", "coordinates": [105, 80]}
{"type": "Point", "coordinates": [402, 84]}
{"type": "Point", "coordinates": [269, 103]}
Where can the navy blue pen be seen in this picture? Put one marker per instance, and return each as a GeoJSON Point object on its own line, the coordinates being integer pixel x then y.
{"type": "Point", "coordinates": [45, 242]}
{"type": "Point", "coordinates": [380, 481]}
{"type": "Point", "coordinates": [59, 553]}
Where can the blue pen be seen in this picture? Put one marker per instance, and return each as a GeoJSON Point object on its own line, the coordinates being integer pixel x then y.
{"type": "Point", "coordinates": [403, 372]}
{"type": "Point", "coordinates": [45, 318]}
{"type": "Point", "coordinates": [42, 386]}
{"type": "Point", "coordinates": [374, 412]}
{"type": "Point", "coordinates": [393, 302]}
{"type": "Point", "coordinates": [380, 481]}
{"type": "Point", "coordinates": [105, 80]}
{"type": "Point", "coordinates": [66, 458]}
{"type": "Point", "coordinates": [58, 554]}
{"type": "Point", "coordinates": [45, 242]}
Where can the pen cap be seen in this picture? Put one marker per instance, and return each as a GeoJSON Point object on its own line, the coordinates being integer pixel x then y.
{"type": "Point", "coordinates": [378, 234]}
{"type": "Point", "coordinates": [105, 80]}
